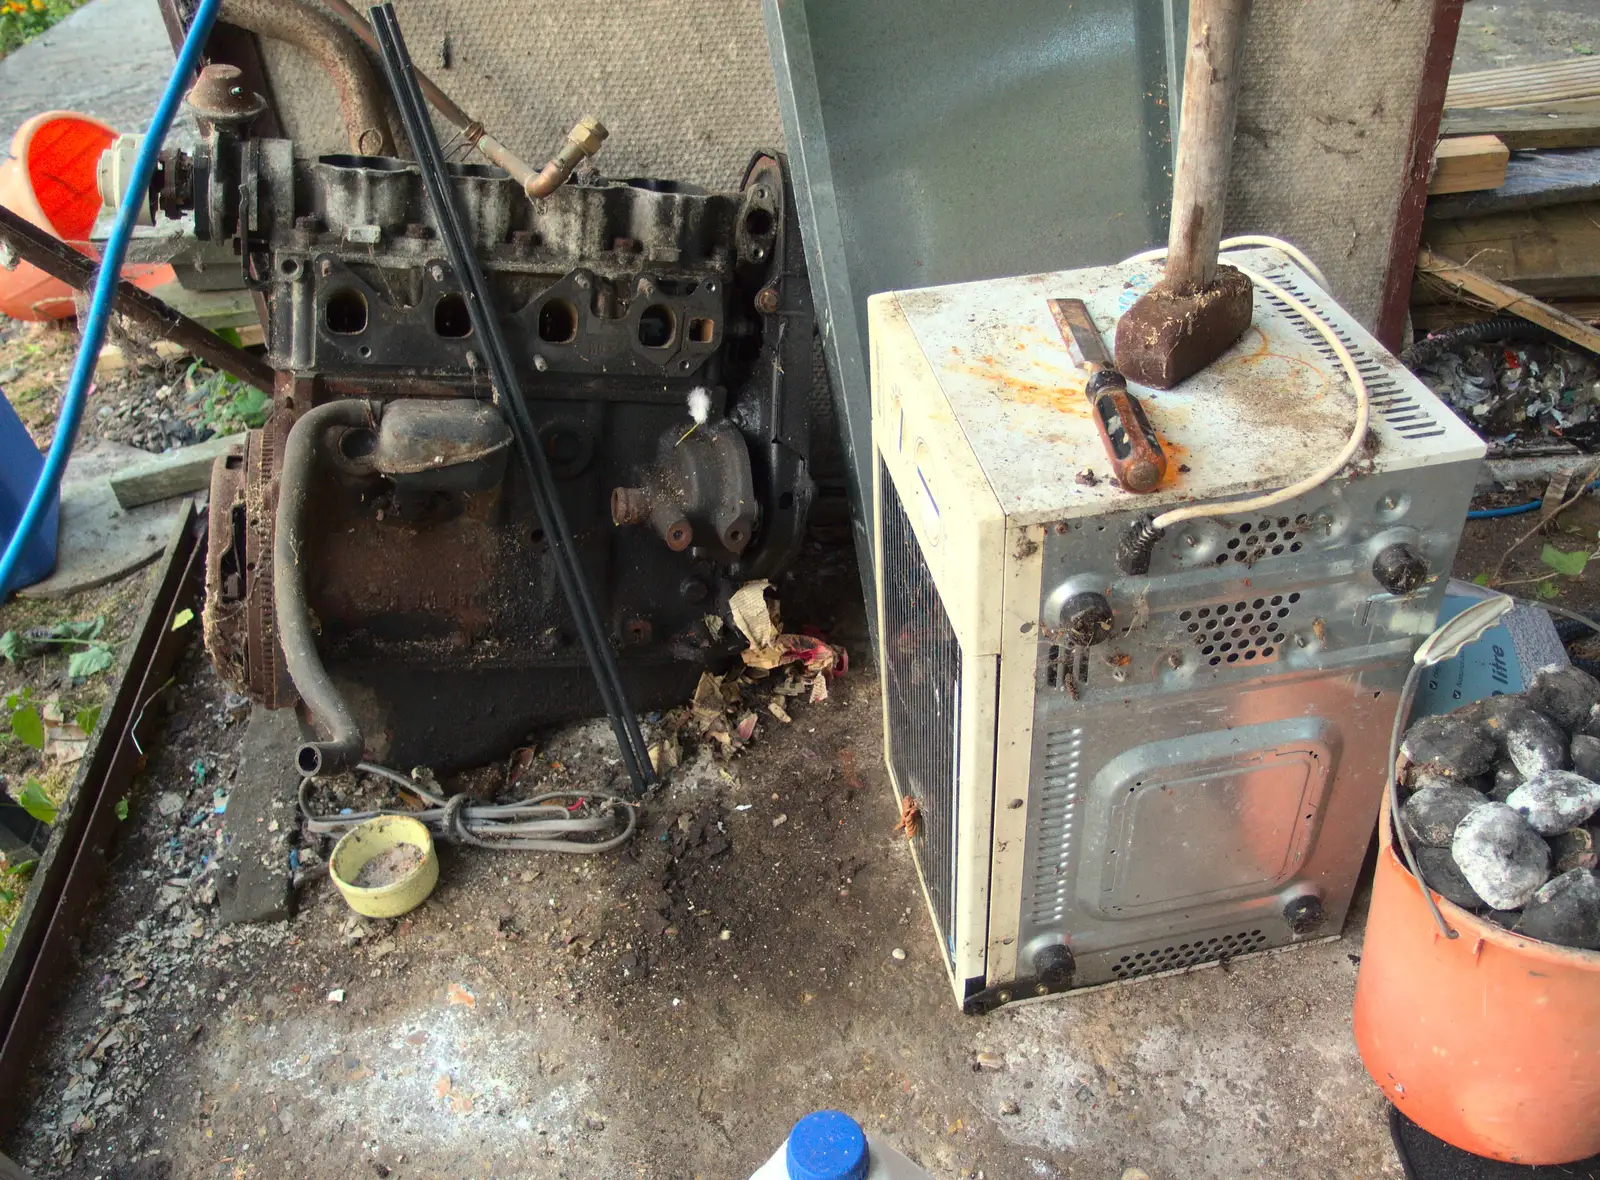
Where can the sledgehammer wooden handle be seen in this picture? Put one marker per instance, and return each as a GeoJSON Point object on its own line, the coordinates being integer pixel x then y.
{"type": "Point", "coordinates": [1205, 139]}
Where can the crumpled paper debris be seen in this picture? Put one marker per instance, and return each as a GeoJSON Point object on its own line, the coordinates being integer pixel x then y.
{"type": "Point", "coordinates": [756, 618]}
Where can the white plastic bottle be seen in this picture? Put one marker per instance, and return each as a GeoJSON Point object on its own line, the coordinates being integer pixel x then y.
{"type": "Point", "coordinates": [830, 1145]}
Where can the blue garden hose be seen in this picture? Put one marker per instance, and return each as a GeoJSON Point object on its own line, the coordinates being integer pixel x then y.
{"type": "Point", "coordinates": [105, 288]}
{"type": "Point", "coordinates": [1516, 509]}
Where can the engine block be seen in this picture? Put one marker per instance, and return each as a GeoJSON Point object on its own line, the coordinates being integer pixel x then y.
{"type": "Point", "coordinates": [664, 341]}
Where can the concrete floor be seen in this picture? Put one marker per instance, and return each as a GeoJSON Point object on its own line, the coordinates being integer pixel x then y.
{"type": "Point", "coordinates": [670, 1052]}
{"type": "Point", "coordinates": [544, 1016]}
{"type": "Point", "coordinates": [109, 59]}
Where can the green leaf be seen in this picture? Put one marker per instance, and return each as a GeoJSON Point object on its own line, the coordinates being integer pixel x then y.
{"type": "Point", "coordinates": [33, 801]}
{"type": "Point", "coordinates": [80, 628]}
{"type": "Point", "coordinates": [90, 661]}
{"type": "Point", "coordinates": [1480, 580]}
{"type": "Point", "coordinates": [22, 869]}
{"type": "Point", "coordinates": [182, 619]}
{"type": "Point", "coordinates": [252, 406]}
{"type": "Point", "coordinates": [28, 726]}
{"type": "Point", "coordinates": [231, 335]}
{"type": "Point", "coordinates": [1548, 589]}
{"type": "Point", "coordinates": [88, 718]}
{"type": "Point", "coordinates": [122, 808]}
{"type": "Point", "coordinates": [12, 647]}
{"type": "Point", "coordinates": [1563, 562]}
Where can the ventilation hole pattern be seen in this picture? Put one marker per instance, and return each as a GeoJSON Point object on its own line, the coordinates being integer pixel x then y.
{"type": "Point", "coordinates": [1051, 869]}
{"type": "Point", "coordinates": [1186, 954]}
{"type": "Point", "coordinates": [1389, 400]}
{"type": "Point", "coordinates": [1246, 631]}
{"type": "Point", "coordinates": [1059, 672]}
{"type": "Point", "coordinates": [1268, 537]}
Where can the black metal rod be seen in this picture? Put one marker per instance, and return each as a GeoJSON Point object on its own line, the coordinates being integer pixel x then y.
{"type": "Point", "coordinates": [60, 261]}
{"type": "Point", "coordinates": [401, 75]}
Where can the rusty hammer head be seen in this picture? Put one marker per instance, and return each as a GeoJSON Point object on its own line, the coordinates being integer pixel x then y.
{"type": "Point", "coordinates": [1169, 334]}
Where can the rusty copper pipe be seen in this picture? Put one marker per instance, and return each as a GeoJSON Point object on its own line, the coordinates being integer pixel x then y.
{"type": "Point", "coordinates": [336, 51]}
{"type": "Point", "coordinates": [583, 141]}
{"type": "Point", "coordinates": [323, 700]}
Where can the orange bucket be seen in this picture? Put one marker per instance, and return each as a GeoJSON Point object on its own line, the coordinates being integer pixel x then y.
{"type": "Point", "coordinates": [50, 181]}
{"type": "Point", "coordinates": [1489, 1041]}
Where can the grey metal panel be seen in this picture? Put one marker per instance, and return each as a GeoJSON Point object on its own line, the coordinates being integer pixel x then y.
{"type": "Point", "coordinates": [940, 143]}
{"type": "Point", "coordinates": [1222, 752]}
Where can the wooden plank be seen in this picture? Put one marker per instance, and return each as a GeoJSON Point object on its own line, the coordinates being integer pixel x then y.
{"type": "Point", "coordinates": [113, 361]}
{"type": "Point", "coordinates": [1534, 180]}
{"type": "Point", "coordinates": [1468, 163]}
{"type": "Point", "coordinates": [187, 469]}
{"type": "Point", "coordinates": [1526, 129]}
{"type": "Point", "coordinates": [214, 309]}
{"type": "Point", "coordinates": [1473, 285]}
{"type": "Point", "coordinates": [1547, 253]}
{"type": "Point", "coordinates": [1400, 267]}
{"type": "Point", "coordinates": [1571, 84]}
{"type": "Point", "coordinates": [1435, 317]}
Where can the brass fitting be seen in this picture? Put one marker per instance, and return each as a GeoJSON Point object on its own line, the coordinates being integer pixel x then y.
{"type": "Point", "coordinates": [583, 141]}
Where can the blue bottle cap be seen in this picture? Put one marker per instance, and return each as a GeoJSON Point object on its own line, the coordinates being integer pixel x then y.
{"type": "Point", "coordinates": [827, 1145]}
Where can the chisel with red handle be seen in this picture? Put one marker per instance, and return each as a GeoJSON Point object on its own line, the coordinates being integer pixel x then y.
{"type": "Point", "coordinates": [1135, 451]}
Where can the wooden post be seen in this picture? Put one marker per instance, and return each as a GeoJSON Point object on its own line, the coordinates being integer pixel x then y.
{"type": "Point", "coordinates": [1205, 140]}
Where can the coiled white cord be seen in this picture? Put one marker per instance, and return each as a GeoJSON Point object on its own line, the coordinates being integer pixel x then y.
{"type": "Point", "coordinates": [580, 822]}
{"type": "Point", "coordinates": [1358, 387]}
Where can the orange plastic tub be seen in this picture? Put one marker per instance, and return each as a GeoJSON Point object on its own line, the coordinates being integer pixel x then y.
{"type": "Point", "coordinates": [1488, 1041]}
{"type": "Point", "coordinates": [50, 180]}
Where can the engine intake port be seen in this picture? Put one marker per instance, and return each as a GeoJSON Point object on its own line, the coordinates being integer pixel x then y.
{"type": "Point", "coordinates": [450, 317]}
{"type": "Point", "coordinates": [657, 326]}
{"type": "Point", "coordinates": [346, 313]}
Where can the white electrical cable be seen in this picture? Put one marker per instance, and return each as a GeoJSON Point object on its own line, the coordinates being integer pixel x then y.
{"type": "Point", "coordinates": [1243, 240]}
{"type": "Point", "coordinates": [591, 822]}
{"type": "Point", "coordinates": [1358, 387]}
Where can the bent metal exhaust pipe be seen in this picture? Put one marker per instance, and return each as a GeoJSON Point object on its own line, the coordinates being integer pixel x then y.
{"type": "Point", "coordinates": [344, 745]}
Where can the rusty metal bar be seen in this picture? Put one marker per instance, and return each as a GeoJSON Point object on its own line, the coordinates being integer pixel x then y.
{"type": "Point", "coordinates": [40, 950]}
{"type": "Point", "coordinates": [60, 261]}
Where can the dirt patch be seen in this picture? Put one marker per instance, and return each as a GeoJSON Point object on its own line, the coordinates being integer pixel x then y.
{"type": "Point", "coordinates": [761, 949]}
{"type": "Point", "coordinates": [389, 866]}
{"type": "Point", "coordinates": [152, 404]}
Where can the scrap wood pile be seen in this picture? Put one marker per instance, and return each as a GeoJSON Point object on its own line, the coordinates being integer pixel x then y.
{"type": "Point", "coordinates": [1512, 235]}
{"type": "Point", "coordinates": [1503, 806]}
{"type": "Point", "coordinates": [778, 668]}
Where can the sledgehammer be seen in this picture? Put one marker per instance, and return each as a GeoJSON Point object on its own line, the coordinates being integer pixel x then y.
{"type": "Point", "coordinates": [1198, 309]}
